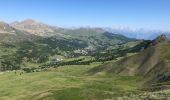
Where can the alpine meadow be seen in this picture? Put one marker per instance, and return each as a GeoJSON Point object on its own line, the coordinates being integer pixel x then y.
{"type": "Point", "coordinates": [84, 50]}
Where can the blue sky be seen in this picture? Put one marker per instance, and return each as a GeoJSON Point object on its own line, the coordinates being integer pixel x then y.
{"type": "Point", "coordinates": [152, 14]}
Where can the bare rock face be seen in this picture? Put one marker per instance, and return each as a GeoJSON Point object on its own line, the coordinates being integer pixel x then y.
{"type": "Point", "coordinates": [160, 39]}
{"type": "Point", "coordinates": [33, 27]}
{"type": "Point", "coordinates": [10, 34]}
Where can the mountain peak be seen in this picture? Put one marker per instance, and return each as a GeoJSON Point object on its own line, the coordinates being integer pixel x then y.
{"type": "Point", "coordinates": [159, 39]}
{"type": "Point", "coordinates": [30, 22]}
{"type": "Point", "coordinates": [162, 37]}
{"type": "Point", "coordinates": [33, 27]}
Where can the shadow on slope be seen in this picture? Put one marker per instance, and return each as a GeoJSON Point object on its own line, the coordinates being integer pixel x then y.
{"type": "Point", "coordinates": [153, 63]}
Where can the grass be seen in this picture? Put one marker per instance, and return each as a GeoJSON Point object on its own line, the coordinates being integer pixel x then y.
{"type": "Point", "coordinates": [65, 83]}
{"type": "Point", "coordinates": [84, 58]}
{"type": "Point", "coordinates": [5, 50]}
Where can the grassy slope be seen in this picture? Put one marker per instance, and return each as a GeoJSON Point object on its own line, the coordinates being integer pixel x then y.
{"type": "Point", "coordinates": [65, 83]}
{"type": "Point", "coordinates": [152, 63]}
{"type": "Point", "coordinates": [97, 38]}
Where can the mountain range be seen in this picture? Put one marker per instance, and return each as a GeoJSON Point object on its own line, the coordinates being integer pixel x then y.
{"type": "Point", "coordinates": [142, 33]}
{"type": "Point", "coordinates": [45, 30]}
{"type": "Point", "coordinates": [37, 42]}
{"type": "Point", "coordinates": [97, 37]}
{"type": "Point", "coordinates": [138, 57]}
{"type": "Point", "coordinates": [31, 41]}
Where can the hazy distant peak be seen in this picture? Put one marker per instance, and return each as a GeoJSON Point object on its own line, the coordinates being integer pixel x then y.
{"type": "Point", "coordinates": [94, 29]}
{"type": "Point", "coordinates": [141, 33]}
{"type": "Point", "coordinates": [33, 27]}
{"type": "Point", "coordinates": [29, 21]}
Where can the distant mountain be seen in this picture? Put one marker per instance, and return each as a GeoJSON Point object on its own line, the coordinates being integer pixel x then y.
{"type": "Point", "coordinates": [10, 34]}
{"type": "Point", "coordinates": [138, 33]}
{"type": "Point", "coordinates": [36, 28]}
{"type": "Point", "coordinates": [41, 29]}
{"type": "Point", "coordinates": [35, 42]}
{"type": "Point", "coordinates": [95, 38]}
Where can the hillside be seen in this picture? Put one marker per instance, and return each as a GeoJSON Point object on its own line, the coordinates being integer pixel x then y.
{"type": "Point", "coordinates": [98, 38]}
{"type": "Point", "coordinates": [10, 34]}
{"type": "Point", "coordinates": [151, 63]}
{"type": "Point", "coordinates": [116, 65]}
{"type": "Point", "coordinates": [37, 28]}
{"type": "Point", "coordinates": [32, 42]}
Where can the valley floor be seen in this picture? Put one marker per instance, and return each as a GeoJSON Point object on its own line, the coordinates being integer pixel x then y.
{"type": "Point", "coordinates": [65, 83]}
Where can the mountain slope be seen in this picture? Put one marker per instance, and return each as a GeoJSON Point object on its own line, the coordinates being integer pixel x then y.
{"type": "Point", "coordinates": [6, 28]}
{"type": "Point", "coordinates": [37, 28]}
{"type": "Point", "coordinates": [10, 34]}
{"type": "Point", "coordinates": [153, 63]}
{"type": "Point", "coordinates": [33, 42]}
{"type": "Point", "coordinates": [97, 37]}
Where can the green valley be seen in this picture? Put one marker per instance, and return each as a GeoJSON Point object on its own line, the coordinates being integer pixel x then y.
{"type": "Point", "coordinates": [42, 62]}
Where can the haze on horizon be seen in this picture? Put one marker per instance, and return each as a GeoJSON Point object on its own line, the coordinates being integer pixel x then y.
{"type": "Point", "coordinates": [150, 14]}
